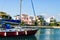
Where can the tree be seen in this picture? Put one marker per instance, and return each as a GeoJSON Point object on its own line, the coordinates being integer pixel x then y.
{"type": "Point", "coordinates": [40, 20]}
{"type": "Point", "coordinates": [35, 23]}
{"type": "Point", "coordinates": [22, 24]}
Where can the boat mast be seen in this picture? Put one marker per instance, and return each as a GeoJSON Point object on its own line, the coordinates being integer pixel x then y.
{"type": "Point", "coordinates": [20, 9]}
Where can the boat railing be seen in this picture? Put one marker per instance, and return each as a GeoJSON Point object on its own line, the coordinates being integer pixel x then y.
{"type": "Point", "coordinates": [9, 30]}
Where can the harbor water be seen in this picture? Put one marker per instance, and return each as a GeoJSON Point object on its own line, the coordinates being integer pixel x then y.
{"type": "Point", "coordinates": [42, 34]}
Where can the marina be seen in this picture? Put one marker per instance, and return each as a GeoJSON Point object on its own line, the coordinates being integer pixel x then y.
{"type": "Point", "coordinates": [42, 34]}
{"type": "Point", "coordinates": [29, 20]}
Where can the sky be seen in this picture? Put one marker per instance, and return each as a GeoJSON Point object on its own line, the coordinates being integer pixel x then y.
{"type": "Point", "coordinates": [47, 8]}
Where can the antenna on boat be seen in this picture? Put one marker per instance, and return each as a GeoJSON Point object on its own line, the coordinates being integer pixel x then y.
{"type": "Point", "coordinates": [20, 9]}
{"type": "Point", "coordinates": [33, 9]}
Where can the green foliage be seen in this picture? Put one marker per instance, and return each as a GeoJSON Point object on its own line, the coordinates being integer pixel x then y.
{"type": "Point", "coordinates": [53, 24]}
{"type": "Point", "coordinates": [36, 23]}
{"type": "Point", "coordinates": [22, 24]}
{"type": "Point", "coordinates": [58, 23]}
{"type": "Point", "coordinates": [41, 22]}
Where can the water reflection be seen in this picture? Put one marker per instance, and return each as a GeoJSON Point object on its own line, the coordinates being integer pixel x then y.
{"type": "Point", "coordinates": [44, 34]}
{"type": "Point", "coordinates": [19, 38]}
{"type": "Point", "coordinates": [49, 34]}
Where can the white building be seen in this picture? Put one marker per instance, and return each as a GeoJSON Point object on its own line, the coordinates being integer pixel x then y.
{"type": "Point", "coordinates": [50, 18]}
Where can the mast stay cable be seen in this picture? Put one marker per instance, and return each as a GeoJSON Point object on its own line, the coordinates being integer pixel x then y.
{"type": "Point", "coordinates": [33, 9]}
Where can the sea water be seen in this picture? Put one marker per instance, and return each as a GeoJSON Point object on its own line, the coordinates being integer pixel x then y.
{"type": "Point", "coordinates": [42, 34]}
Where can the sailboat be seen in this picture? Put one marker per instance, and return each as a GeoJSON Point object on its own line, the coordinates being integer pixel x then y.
{"type": "Point", "coordinates": [7, 30]}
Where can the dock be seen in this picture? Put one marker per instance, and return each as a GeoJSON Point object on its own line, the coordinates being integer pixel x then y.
{"type": "Point", "coordinates": [48, 27]}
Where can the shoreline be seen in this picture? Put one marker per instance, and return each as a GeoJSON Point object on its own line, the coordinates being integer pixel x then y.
{"type": "Point", "coordinates": [51, 27]}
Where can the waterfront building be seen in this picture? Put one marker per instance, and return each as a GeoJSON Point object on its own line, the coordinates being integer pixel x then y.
{"type": "Point", "coordinates": [50, 19]}
{"type": "Point", "coordinates": [53, 21]}
{"type": "Point", "coordinates": [28, 20]}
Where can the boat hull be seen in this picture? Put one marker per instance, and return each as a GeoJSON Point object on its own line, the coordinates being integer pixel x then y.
{"type": "Point", "coordinates": [19, 33]}
{"type": "Point", "coordinates": [10, 33]}
{"type": "Point", "coordinates": [31, 32]}
{"type": "Point", "coordinates": [2, 33]}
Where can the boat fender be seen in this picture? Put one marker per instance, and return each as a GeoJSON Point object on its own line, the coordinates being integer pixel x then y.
{"type": "Point", "coordinates": [25, 32]}
{"type": "Point", "coordinates": [5, 34]}
{"type": "Point", "coordinates": [16, 33]}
